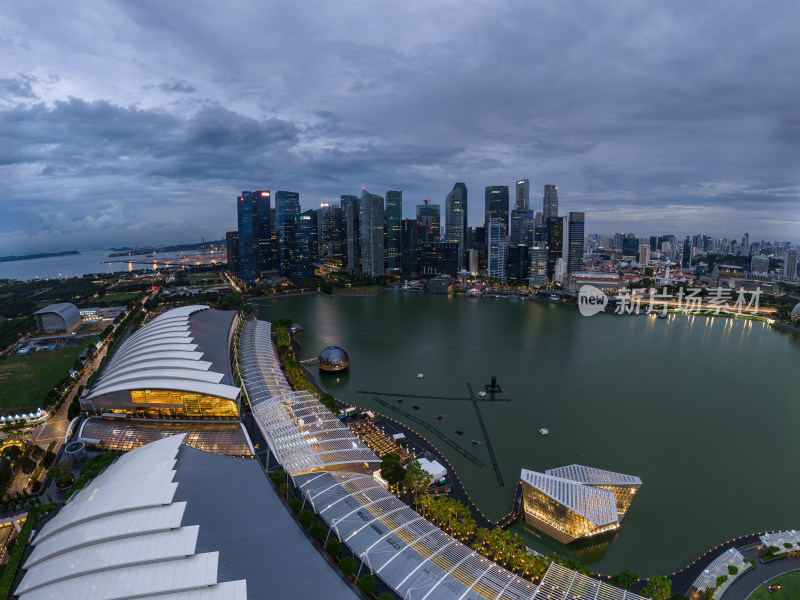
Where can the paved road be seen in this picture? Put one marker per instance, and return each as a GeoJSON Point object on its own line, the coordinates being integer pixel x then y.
{"type": "Point", "coordinates": [744, 585]}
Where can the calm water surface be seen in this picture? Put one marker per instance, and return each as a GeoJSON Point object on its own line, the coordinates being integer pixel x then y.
{"type": "Point", "coordinates": [704, 410]}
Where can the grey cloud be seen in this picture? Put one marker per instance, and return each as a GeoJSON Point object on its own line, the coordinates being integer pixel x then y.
{"type": "Point", "coordinates": [17, 87]}
{"type": "Point", "coordinates": [173, 86]}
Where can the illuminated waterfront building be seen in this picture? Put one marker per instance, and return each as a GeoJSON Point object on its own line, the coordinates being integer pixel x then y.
{"type": "Point", "coordinates": [574, 502]}
{"type": "Point", "coordinates": [247, 221]}
{"type": "Point", "coordinates": [439, 258]}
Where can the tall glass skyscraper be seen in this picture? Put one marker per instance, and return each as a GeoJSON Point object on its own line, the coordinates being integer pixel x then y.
{"type": "Point", "coordinates": [521, 228]}
{"type": "Point", "coordinates": [576, 234]}
{"type": "Point", "coordinates": [456, 212]}
{"type": "Point", "coordinates": [394, 214]}
{"type": "Point", "coordinates": [247, 218]}
{"type": "Point", "coordinates": [371, 216]}
{"type": "Point", "coordinates": [352, 232]}
{"type": "Point", "coordinates": [496, 198]}
{"type": "Point", "coordinates": [555, 243]}
{"type": "Point", "coordinates": [411, 245]}
{"type": "Point", "coordinates": [299, 237]}
{"type": "Point", "coordinates": [262, 200]}
{"type": "Point", "coordinates": [429, 218]}
{"type": "Point", "coordinates": [523, 195]}
{"type": "Point", "coordinates": [550, 202]}
{"type": "Point", "coordinates": [287, 208]}
{"type": "Point", "coordinates": [498, 249]}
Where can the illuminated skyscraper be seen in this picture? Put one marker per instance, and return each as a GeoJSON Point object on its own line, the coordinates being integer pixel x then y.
{"type": "Point", "coordinates": [371, 221]}
{"type": "Point", "coordinates": [247, 218]}
{"type": "Point", "coordinates": [538, 269]}
{"type": "Point", "coordinates": [456, 213]}
{"type": "Point", "coordinates": [497, 248]}
{"type": "Point", "coordinates": [410, 241]}
{"type": "Point", "coordinates": [576, 235]}
{"type": "Point", "coordinates": [394, 214]}
{"type": "Point", "coordinates": [523, 195]}
{"type": "Point", "coordinates": [429, 218]}
{"type": "Point", "coordinates": [287, 208]}
{"type": "Point", "coordinates": [496, 204]}
{"type": "Point", "coordinates": [521, 228]}
{"type": "Point", "coordinates": [264, 242]}
{"type": "Point", "coordinates": [550, 202]}
{"type": "Point", "coordinates": [555, 243]}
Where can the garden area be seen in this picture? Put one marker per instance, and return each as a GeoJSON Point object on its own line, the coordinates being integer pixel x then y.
{"type": "Point", "coordinates": [789, 588]}
{"type": "Point", "coordinates": [113, 299]}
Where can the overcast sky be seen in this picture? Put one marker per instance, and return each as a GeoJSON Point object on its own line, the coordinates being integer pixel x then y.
{"type": "Point", "coordinates": [140, 122]}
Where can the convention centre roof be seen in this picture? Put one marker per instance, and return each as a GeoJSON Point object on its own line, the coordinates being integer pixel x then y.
{"type": "Point", "coordinates": [593, 476]}
{"type": "Point", "coordinates": [596, 504]}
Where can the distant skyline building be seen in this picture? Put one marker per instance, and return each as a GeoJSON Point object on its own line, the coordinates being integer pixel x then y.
{"type": "Point", "coordinates": [686, 257]}
{"type": "Point", "coordinates": [394, 214]}
{"type": "Point", "coordinates": [456, 218]}
{"type": "Point", "coordinates": [790, 264]}
{"type": "Point", "coordinates": [429, 219]}
{"type": "Point", "coordinates": [497, 249]}
{"type": "Point", "coordinates": [287, 208]}
{"type": "Point", "coordinates": [644, 255]}
{"type": "Point", "coordinates": [523, 200]}
{"type": "Point", "coordinates": [496, 204]}
{"type": "Point", "coordinates": [521, 228]}
{"type": "Point", "coordinates": [550, 202]}
{"type": "Point", "coordinates": [537, 276]}
{"type": "Point", "coordinates": [352, 231]}
{"type": "Point", "coordinates": [555, 244]}
{"type": "Point", "coordinates": [439, 258]}
{"type": "Point", "coordinates": [247, 218]}
{"type": "Point", "coordinates": [576, 239]}
{"type": "Point", "coordinates": [300, 243]}
{"type": "Point", "coordinates": [264, 242]}
{"type": "Point", "coordinates": [410, 248]}
{"type": "Point", "coordinates": [232, 251]}
{"type": "Point", "coordinates": [372, 251]}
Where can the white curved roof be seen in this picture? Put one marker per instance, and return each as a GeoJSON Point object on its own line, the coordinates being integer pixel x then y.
{"type": "Point", "coordinates": [121, 537]}
{"type": "Point", "coordinates": [69, 312]}
{"type": "Point", "coordinates": [796, 310]}
{"type": "Point", "coordinates": [162, 356]}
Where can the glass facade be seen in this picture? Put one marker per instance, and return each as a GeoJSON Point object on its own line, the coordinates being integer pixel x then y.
{"type": "Point", "coordinates": [555, 514]}
{"type": "Point", "coordinates": [173, 404]}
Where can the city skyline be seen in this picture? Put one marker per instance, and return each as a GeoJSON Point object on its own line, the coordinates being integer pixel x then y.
{"type": "Point", "coordinates": [139, 132]}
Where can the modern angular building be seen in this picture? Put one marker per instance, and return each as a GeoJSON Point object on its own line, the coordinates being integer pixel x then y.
{"type": "Point", "coordinates": [232, 250]}
{"type": "Point", "coordinates": [521, 228]}
{"type": "Point", "coordinates": [574, 502]}
{"type": "Point", "coordinates": [58, 317]}
{"type": "Point", "coordinates": [410, 248]}
{"type": "Point", "coordinates": [247, 215]}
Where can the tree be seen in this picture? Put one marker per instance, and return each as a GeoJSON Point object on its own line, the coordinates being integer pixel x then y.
{"type": "Point", "coordinates": [295, 504]}
{"type": "Point", "coordinates": [28, 465]}
{"type": "Point", "coordinates": [658, 588]}
{"type": "Point", "coordinates": [367, 584]}
{"type": "Point", "coordinates": [391, 470]}
{"type": "Point", "coordinates": [416, 478]}
{"type": "Point", "coordinates": [709, 593]}
{"type": "Point", "coordinates": [348, 565]}
{"type": "Point", "coordinates": [306, 517]}
{"type": "Point", "coordinates": [333, 547]}
{"type": "Point", "coordinates": [317, 531]}
{"type": "Point", "coordinates": [13, 452]}
{"type": "Point", "coordinates": [626, 579]}
{"type": "Point", "coordinates": [385, 596]}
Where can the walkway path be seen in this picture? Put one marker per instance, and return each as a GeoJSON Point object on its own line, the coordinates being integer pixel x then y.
{"type": "Point", "coordinates": [746, 584]}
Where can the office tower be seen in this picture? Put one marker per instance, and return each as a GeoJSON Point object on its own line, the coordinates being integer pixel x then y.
{"type": "Point", "coordinates": [287, 208]}
{"type": "Point", "coordinates": [550, 202]}
{"type": "Point", "coordinates": [630, 246]}
{"type": "Point", "coordinates": [686, 258]}
{"type": "Point", "coordinates": [429, 221]}
{"type": "Point", "coordinates": [790, 264]}
{"type": "Point", "coordinates": [261, 199]}
{"type": "Point", "coordinates": [232, 250]}
{"type": "Point", "coordinates": [299, 240]}
{"type": "Point", "coordinates": [371, 217]}
{"type": "Point", "coordinates": [455, 206]}
{"type": "Point", "coordinates": [410, 247]}
{"type": "Point", "coordinates": [523, 195]}
{"type": "Point", "coordinates": [759, 264]}
{"type": "Point", "coordinates": [352, 227]}
{"type": "Point", "coordinates": [521, 228]}
{"type": "Point", "coordinates": [247, 213]}
{"type": "Point", "coordinates": [498, 249]}
{"type": "Point", "coordinates": [746, 244]}
{"type": "Point", "coordinates": [519, 261]}
{"type": "Point", "coordinates": [653, 243]}
{"type": "Point", "coordinates": [538, 219]}
{"type": "Point", "coordinates": [538, 276]}
{"type": "Point", "coordinates": [311, 215]}
{"type": "Point", "coordinates": [439, 258]}
{"type": "Point", "coordinates": [332, 237]}
{"type": "Point", "coordinates": [394, 214]}
{"type": "Point", "coordinates": [560, 270]}
{"type": "Point", "coordinates": [576, 236]}
{"type": "Point", "coordinates": [496, 204]}
{"type": "Point", "coordinates": [540, 233]}
{"type": "Point", "coordinates": [644, 255]}
{"type": "Point", "coordinates": [555, 244]}
{"type": "Point", "coordinates": [480, 245]}
{"type": "Point", "coordinates": [472, 262]}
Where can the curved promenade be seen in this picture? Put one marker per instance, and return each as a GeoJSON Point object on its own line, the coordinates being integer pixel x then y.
{"type": "Point", "coordinates": [748, 582]}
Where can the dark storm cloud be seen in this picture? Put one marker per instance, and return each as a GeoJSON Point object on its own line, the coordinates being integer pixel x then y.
{"type": "Point", "coordinates": [680, 117]}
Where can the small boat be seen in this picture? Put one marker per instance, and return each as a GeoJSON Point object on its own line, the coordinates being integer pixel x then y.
{"type": "Point", "coordinates": [399, 400]}
{"type": "Point", "coordinates": [459, 432]}
{"type": "Point", "coordinates": [441, 417]}
{"type": "Point", "coordinates": [544, 431]}
{"type": "Point", "coordinates": [415, 407]}
{"type": "Point", "coordinates": [420, 375]}
{"type": "Point", "coordinates": [481, 394]}
{"type": "Point", "coordinates": [476, 443]}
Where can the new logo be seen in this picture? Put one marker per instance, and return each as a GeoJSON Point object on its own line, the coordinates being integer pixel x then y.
{"type": "Point", "coordinates": [591, 300]}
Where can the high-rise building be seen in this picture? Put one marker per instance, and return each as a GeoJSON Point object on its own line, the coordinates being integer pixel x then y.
{"type": "Point", "coordinates": [394, 214]}
{"type": "Point", "coordinates": [523, 195]}
{"type": "Point", "coordinates": [576, 237]}
{"type": "Point", "coordinates": [332, 235]}
{"type": "Point", "coordinates": [456, 213]}
{"type": "Point", "coordinates": [686, 258]}
{"type": "Point", "coordinates": [644, 255]}
{"type": "Point", "coordinates": [521, 228]}
{"type": "Point", "coordinates": [790, 264]}
{"type": "Point", "coordinates": [472, 262]}
{"type": "Point", "coordinates": [550, 202]}
{"type": "Point", "coordinates": [299, 239]}
{"type": "Point", "coordinates": [630, 246]}
{"type": "Point", "coordinates": [410, 247]}
{"type": "Point", "coordinates": [759, 263]}
{"type": "Point", "coordinates": [352, 230]}
{"type": "Point", "coordinates": [479, 244]}
{"type": "Point", "coordinates": [746, 244]}
{"type": "Point", "coordinates": [439, 258]}
{"type": "Point", "coordinates": [371, 217]}
{"type": "Point", "coordinates": [538, 266]}
{"type": "Point", "coordinates": [247, 213]}
{"type": "Point", "coordinates": [496, 204]}
{"type": "Point", "coordinates": [429, 218]}
{"type": "Point", "coordinates": [287, 208]}
{"type": "Point", "coordinates": [232, 248]}
{"type": "Point", "coordinates": [261, 198]}
{"type": "Point", "coordinates": [497, 248]}
{"type": "Point", "coordinates": [555, 244]}
{"type": "Point", "coordinates": [519, 261]}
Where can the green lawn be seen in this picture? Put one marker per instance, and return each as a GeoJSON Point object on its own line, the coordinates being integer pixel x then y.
{"type": "Point", "coordinates": [25, 380]}
{"type": "Point", "coordinates": [790, 588]}
{"type": "Point", "coordinates": [113, 299]}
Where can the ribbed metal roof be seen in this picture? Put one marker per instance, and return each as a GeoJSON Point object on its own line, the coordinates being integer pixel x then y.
{"type": "Point", "coordinates": [560, 583]}
{"type": "Point", "coordinates": [164, 355]}
{"type": "Point", "coordinates": [596, 504]}
{"type": "Point", "coordinates": [64, 309]}
{"type": "Point", "coordinates": [593, 476]}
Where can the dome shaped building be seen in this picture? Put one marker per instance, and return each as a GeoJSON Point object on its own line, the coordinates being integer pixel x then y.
{"type": "Point", "coordinates": [796, 310]}
{"type": "Point", "coordinates": [333, 359]}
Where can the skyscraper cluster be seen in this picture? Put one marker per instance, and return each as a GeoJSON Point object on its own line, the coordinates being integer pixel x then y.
{"type": "Point", "coordinates": [367, 236]}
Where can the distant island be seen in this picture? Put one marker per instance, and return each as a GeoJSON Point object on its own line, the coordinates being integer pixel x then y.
{"type": "Point", "coordinates": [140, 250]}
{"type": "Point", "coordinates": [40, 255]}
